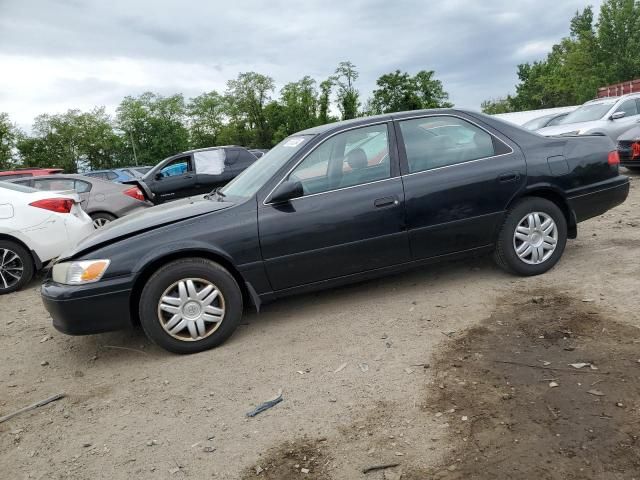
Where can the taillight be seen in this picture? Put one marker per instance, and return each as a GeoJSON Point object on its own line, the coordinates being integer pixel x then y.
{"type": "Point", "coordinates": [614, 158]}
{"type": "Point", "coordinates": [635, 150]}
{"type": "Point", "coordinates": [134, 192]}
{"type": "Point", "coordinates": [58, 205]}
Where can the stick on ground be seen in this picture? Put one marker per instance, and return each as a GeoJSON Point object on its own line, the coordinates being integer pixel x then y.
{"type": "Point", "coordinates": [379, 467]}
{"type": "Point", "coordinates": [41, 403]}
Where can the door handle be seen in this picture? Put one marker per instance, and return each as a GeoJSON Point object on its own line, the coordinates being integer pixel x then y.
{"type": "Point", "coordinates": [188, 176]}
{"type": "Point", "coordinates": [385, 202]}
{"type": "Point", "coordinates": [509, 177]}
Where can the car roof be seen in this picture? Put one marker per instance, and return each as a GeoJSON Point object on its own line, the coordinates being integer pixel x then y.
{"type": "Point", "coordinates": [384, 117]}
{"type": "Point", "coordinates": [612, 99]}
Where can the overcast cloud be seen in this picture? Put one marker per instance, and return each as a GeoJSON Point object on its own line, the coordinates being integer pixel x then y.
{"type": "Point", "coordinates": [61, 54]}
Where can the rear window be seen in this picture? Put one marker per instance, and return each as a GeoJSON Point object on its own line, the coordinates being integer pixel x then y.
{"type": "Point", "coordinates": [17, 188]}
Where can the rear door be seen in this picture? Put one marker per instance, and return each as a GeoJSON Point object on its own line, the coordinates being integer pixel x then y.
{"type": "Point", "coordinates": [212, 169]}
{"type": "Point", "coordinates": [350, 218]}
{"type": "Point", "coordinates": [458, 178]}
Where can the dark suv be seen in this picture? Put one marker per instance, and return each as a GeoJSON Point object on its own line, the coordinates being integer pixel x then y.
{"type": "Point", "coordinates": [194, 172]}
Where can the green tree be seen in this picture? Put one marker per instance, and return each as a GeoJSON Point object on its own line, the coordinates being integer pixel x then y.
{"type": "Point", "coordinates": [153, 127]}
{"type": "Point", "coordinates": [498, 105]}
{"type": "Point", "coordinates": [348, 96]}
{"type": "Point", "coordinates": [9, 135]}
{"type": "Point", "coordinates": [73, 140]}
{"type": "Point", "coordinates": [324, 101]}
{"type": "Point", "coordinates": [430, 91]}
{"type": "Point", "coordinates": [399, 91]}
{"type": "Point", "coordinates": [206, 117]}
{"type": "Point", "coordinates": [396, 92]}
{"type": "Point", "coordinates": [248, 95]}
{"type": "Point", "coordinates": [593, 55]}
{"type": "Point", "coordinates": [299, 101]}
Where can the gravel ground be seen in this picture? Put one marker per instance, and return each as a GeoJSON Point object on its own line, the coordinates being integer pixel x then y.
{"type": "Point", "coordinates": [361, 369]}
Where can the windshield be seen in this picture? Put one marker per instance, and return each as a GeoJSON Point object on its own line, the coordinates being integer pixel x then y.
{"type": "Point", "coordinates": [587, 113]}
{"type": "Point", "coordinates": [253, 178]}
{"type": "Point", "coordinates": [17, 188]}
{"type": "Point", "coordinates": [537, 123]}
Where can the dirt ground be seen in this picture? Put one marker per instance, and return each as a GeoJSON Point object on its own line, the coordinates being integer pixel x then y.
{"type": "Point", "coordinates": [455, 371]}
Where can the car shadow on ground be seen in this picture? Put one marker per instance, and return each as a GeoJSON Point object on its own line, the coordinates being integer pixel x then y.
{"type": "Point", "coordinates": [132, 344]}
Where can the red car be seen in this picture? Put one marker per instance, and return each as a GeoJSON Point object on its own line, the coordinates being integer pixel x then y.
{"type": "Point", "coordinates": [28, 172]}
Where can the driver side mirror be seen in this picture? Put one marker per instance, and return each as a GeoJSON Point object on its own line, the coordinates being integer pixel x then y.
{"type": "Point", "coordinates": [158, 176]}
{"type": "Point", "coordinates": [286, 191]}
{"type": "Point", "coordinates": [617, 115]}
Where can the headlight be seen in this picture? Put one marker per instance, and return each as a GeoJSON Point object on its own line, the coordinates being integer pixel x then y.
{"type": "Point", "coordinates": [79, 273]}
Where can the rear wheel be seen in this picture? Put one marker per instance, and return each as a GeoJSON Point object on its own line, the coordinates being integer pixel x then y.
{"type": "Point", "coordinates": [190, 305]}
{"type": "Point", "coordinates": [16, 266]}
{"type": "Point", "coordinates": [100, 219]}
{"type": "Point", "coordinates": [532, 237]}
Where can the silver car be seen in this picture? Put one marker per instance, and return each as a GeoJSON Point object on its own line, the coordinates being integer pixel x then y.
{"type": "Point", "coordinates": [102, 200]}
{"type": "Point", "coordinates": [610, 116]}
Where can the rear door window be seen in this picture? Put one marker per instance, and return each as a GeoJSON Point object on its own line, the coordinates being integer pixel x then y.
{"type": "Point", "coordinates": [209, 162]}
{"type": "Point", "coordinates": [82, 187]}
{"type": "Point", "coordinates": [52, 185]}
{"type": "Point", "coordinates": [441, 141]}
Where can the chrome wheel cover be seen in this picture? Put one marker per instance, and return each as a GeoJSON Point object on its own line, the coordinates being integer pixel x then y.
{"type": "Point", "coordinates": [191, 309]}
{"type": "Point", "coordinates": [11, 268]}
{"type": "Point", "coordinates": [100, 222]}
{"type": "Point", "coordinates": [535, 238]}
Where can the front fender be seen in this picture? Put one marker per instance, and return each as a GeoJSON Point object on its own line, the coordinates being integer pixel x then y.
{"type": "Point", "coordinates": [181, 248]}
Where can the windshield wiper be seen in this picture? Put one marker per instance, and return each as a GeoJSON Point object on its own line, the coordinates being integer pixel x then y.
{"type": "Point", "coordinates": [215, 191]}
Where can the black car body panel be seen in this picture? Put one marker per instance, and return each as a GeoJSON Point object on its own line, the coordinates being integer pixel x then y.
{"type": "Point", "coordinates": [191, 173]}
{"type": "Point", "coordinates": [347, 233]}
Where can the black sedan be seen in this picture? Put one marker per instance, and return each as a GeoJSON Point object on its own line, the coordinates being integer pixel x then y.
{"type": "Point", "coordinates": [332, 205]}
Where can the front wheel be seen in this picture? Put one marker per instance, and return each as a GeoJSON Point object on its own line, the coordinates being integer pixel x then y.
{"type": "Point", "coordinates": [16, 266]}
{"type": "Point", "coordinates": [532, 237]}
{"type": "Point", "coordinates": [190, 305]}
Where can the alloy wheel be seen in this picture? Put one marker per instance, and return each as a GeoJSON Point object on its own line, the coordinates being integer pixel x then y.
{"type": "Point", "coordinates": [100, 222]}
{"type": "Point", "coordinates": [11, 268]}
{"type": "Point", "coordinates": [535, 238]}
{"type": "Point", "coordinates": [191, 309]}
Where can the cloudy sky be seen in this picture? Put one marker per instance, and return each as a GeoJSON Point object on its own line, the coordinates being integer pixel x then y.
{"type": "Point", "coordinates": [60, 54]}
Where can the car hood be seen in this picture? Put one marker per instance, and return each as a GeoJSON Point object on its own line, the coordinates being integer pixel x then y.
{"type": "Point", "coordinates": [582, 127]}
{"type": "Point", "coordinates": [148, 219]}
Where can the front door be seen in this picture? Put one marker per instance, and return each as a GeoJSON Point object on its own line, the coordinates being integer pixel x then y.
{"type": "Point", "coordinates": [631, 118]}
{"type": "Point", "coordinates": [175, 180]}
{"type": "Point", "coordinates": [350, 218]}
{"type": "Point", "coordinates": [458, 179]}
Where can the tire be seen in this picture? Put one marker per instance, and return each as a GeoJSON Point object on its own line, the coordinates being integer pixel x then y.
{"type": "Point", "coordinates": [532, 263]}
{"type": "Point", "coordinates": [100, 219]}
{"type": "Point", "coordinates": [184, 312]}
{"type": "Point", "coordinates": [14, 260]}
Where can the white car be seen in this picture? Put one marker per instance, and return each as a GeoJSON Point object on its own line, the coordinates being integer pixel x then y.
{"type": "Point", "coordinates": [36, 227]}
